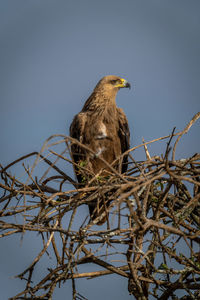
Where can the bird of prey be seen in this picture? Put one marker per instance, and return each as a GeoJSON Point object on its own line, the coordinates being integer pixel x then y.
{"type": "Point", "coordinates": [103, 128]}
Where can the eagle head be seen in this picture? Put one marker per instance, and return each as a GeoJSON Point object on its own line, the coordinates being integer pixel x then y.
{"type": "Point", "coordinates": [110, 85]}
{"type": "Point", "coordinates": [113, 82]}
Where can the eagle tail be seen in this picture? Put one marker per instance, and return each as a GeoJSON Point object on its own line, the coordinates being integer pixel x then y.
{"type": "Point", "coordinates": [98, 211]}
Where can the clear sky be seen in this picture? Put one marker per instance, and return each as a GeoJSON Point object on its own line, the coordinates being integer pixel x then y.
{"type": "Point", "coordinates": [53, 53]}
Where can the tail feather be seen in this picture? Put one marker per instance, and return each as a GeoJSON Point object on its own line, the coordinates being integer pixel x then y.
{"type": "Point", "coordinates": [98, 209]}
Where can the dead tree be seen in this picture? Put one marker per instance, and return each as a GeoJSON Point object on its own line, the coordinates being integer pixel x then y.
{"type": "Point", "coordinates": [154, 214]}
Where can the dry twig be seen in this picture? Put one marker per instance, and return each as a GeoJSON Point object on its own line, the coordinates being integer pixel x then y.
{"type": "Point", "coordinates": [155, 208]}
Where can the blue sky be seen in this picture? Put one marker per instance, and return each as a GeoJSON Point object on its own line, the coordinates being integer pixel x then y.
{"type": "Point", "coordinates": [52, 55]}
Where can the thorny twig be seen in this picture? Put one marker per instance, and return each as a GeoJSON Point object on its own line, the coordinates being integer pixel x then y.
{"type": "Point", "coordinates": [154, 214]}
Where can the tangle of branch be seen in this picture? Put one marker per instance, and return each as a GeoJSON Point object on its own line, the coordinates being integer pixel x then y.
{"type": "Point", "coordinates": [151, 238]}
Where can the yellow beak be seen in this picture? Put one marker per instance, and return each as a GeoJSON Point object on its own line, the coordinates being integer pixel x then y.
{"type": "Point", "coordinates": [124, 84]}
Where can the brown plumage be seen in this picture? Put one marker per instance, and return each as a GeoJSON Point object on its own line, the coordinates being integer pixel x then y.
{"type": "Point", "coordinates": [102, 127]}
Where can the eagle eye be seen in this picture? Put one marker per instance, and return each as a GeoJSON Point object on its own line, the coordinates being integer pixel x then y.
{"type": "Point", "coordinates": [115, 81]}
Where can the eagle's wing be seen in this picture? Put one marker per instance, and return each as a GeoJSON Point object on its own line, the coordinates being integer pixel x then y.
{"type": "Point", "coordinates": [77, 132]}
{"type": "Point", "coordinates": [124, 135]}
{"type": "Point", "coordinates": [78, 126]}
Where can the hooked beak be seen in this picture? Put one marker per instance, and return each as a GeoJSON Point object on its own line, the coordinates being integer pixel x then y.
{"type": "Point", "coordinates": [125, 83]}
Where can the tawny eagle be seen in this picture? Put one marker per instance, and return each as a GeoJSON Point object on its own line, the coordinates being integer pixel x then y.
{"type": "Point", "coordinates": [102, 127]}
